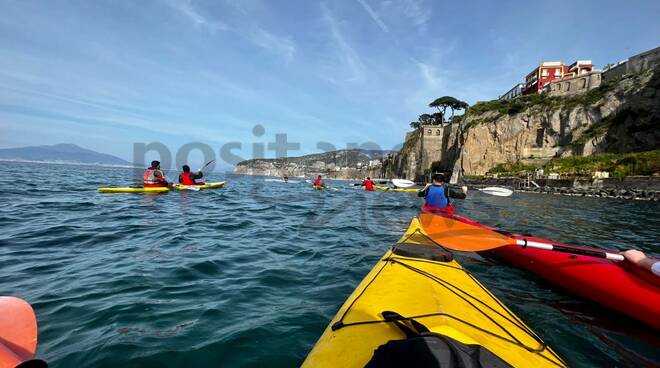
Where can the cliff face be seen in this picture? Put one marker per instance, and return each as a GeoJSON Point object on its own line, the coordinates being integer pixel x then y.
{"type": "Point", "coordinates": [622, 115]}
{"type": "Point", "coordinates": [431, 147]}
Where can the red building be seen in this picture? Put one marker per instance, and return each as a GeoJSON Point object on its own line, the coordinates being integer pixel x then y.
{"type": "Point", "coordinates": [579, 67]}
{"type": "Point", "coordinates": [549, 71]}
{"type": "Point", "coordinates": [542, 75]}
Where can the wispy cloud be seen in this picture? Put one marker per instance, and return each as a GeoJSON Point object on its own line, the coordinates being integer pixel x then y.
{"type": "Point", "coordinates": [279, 45]}
{"type": "Point", "coordinates": [346, 53]}
{"type": "Point", "coordinates": [248, 29]}
{"type": "Point", "coordinates": [417, 12]}
{"type": "Point", "coordinates": [187, 8]}
{"type": "Point", "coordinates": [373, 15]}
{"type": "Point", "coordinates": [429, 75]}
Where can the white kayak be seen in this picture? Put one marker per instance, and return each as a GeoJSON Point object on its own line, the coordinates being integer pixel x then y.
{"type": "Point", "coordinates": [497, 191]}
{"type": "Point", "coordinates": [403, 183]}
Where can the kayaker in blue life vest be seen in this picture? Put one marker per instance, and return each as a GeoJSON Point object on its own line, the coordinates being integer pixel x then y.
{"type": "Point", "coordinates": [153, 176]}
{"type": "Point", "coordinates": [437, 194]}
{"type": "Point", "coordinates": [188, 178]}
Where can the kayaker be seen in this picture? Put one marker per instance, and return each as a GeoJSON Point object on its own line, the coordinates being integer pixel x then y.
{"type": "Point", "coordinates": [437, 194]}
{"type": "Point", "coordinates": [319, 182]}
{"type": "Point", "coordinates": [188, 178]}
{"type": "Point", "coordinates": [153, 176]}
{"type": "Point", "coordinates": [639, 259]}
{"type": "Point", "coordinates": [368, 184]}
{"type": "Point", "coordinates": [285, 178]}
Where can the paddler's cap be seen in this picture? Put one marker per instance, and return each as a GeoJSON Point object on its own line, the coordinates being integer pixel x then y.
{"type": "Point", "coordinates": [155, 163]}
{"type": "Point", "coordinates": [185, 168]}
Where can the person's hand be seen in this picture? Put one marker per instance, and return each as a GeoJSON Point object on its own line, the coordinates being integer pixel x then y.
{"type": "Point", "coordinates": [634, 256]}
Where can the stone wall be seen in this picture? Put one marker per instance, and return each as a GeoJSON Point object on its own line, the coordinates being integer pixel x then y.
{"type": "Point", "coordinates": [578, 84]}
{"type": "Point", "coordinates": [634, 64]}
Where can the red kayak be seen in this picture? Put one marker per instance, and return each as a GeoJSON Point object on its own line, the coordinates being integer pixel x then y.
{"type": "Point", "coordinates": [617, 285]}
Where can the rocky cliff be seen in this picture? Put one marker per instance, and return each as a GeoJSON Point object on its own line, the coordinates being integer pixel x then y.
{"type": "Point", "coordinates": [622, 115]}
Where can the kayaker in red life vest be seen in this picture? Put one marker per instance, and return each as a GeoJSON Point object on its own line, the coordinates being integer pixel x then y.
{"type": "Point", "coordinates": [368, 184]}
{"type": "Point", "coordinates": [188, 178]}
{"type": "Point", "coordinates": [153, 176]}
{"type": "Point", "coordinates": [319, 182]}
{"type": "Point", "coordinates": [640, 259]}
{"type": "Point", "coordinates": [437, 195]}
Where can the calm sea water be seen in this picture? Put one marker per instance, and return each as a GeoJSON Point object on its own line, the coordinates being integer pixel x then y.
{"type": "Point", "coordinates": [250, 275]}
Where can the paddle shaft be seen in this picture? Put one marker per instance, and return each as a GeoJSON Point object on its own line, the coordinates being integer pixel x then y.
{"type": "Point", "coordinates": [560, 248]}
{"type": "Point", "coordinates": [205, 165]}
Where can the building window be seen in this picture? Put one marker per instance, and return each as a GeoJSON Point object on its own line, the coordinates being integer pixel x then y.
{"type": "Point", "coordinates": [557, 73]}
{"type": "Point", "coordinates": [437, 131]}
{"type": "Point", "coordinates": [544, 73]}
{"type": "Point", "coordinates": [568, 86]}
{"type": "Point", "coordinates": [430, 131]}
{"type": "Point", "coordinates": [583, 83]}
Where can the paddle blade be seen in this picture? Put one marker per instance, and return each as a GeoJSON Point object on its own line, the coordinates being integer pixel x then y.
{"type": "Point", "coordinates": [18, 331]}
{"type": "Point", "coordinates": [457, 235]}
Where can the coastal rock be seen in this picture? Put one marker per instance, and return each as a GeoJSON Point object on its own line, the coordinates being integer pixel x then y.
{"type": "Point", "coordinates": [621, 115]}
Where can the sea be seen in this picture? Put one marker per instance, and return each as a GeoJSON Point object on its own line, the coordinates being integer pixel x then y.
{"type": "Point", "coordinates": [250, 275]}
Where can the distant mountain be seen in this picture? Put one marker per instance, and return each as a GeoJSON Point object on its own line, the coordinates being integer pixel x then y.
{"type": "Point", "coordinates": [60, 153]}
{"type": "Point", "coordinates": [354, 163]}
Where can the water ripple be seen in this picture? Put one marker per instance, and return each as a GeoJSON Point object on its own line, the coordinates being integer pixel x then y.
{"type": "Point", "coordinates": [251, 274]}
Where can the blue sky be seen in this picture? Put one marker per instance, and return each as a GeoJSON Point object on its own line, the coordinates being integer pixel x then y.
{"type": "Point", "coordinates": [106, 74]}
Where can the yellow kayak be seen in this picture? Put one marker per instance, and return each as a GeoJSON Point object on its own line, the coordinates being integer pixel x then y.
{"type": "Point", "coordinates": [214, 185]}
{"type": "Point", "coordinates": [418, 284]}
{"type": "Point", "coordinates": [407, 190]}
{"type": "Point", "coordinates": [318, 187]}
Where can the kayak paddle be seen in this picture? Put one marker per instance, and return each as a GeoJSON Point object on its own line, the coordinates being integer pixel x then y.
{"type": "Point", "coordinates": [458, 235]}
{"type": "Point", "coordinates": [206, 164]}
{"type": "Point", "coordinates": [18, 333]}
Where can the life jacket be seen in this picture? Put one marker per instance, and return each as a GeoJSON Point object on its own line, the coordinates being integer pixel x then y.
{"type": "Point", "coordinates": [186, 178]}
{"type": "Point", "coordinates": [151, 180]}
{"type": "Point", "coordinates": [368, 185]}
{"type": "Point", "coordinates": [318, 182]}
{"type": "Point", "coordinates": [436, 197]}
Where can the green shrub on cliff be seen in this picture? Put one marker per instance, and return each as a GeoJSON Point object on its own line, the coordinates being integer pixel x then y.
{"type": "Point", "coordinates": [512, 168]}
{"type": "Point", "coordinates": [617, 164]}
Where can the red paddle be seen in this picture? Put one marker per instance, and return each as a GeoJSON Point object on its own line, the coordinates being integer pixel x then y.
{"type": "Point", "coordinates": [18, 334]}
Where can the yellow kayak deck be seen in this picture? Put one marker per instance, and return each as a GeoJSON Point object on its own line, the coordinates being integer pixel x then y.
{"type": "Point", "coordinates": [213, 185]}
{"type": "Point", "coordinates": [390, 189]}
{"type": "Point", "coordinates": [437, 293]}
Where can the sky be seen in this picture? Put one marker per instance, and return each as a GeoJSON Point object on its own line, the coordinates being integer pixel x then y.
{"type": "Point", "coordinates": [109, 74]}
